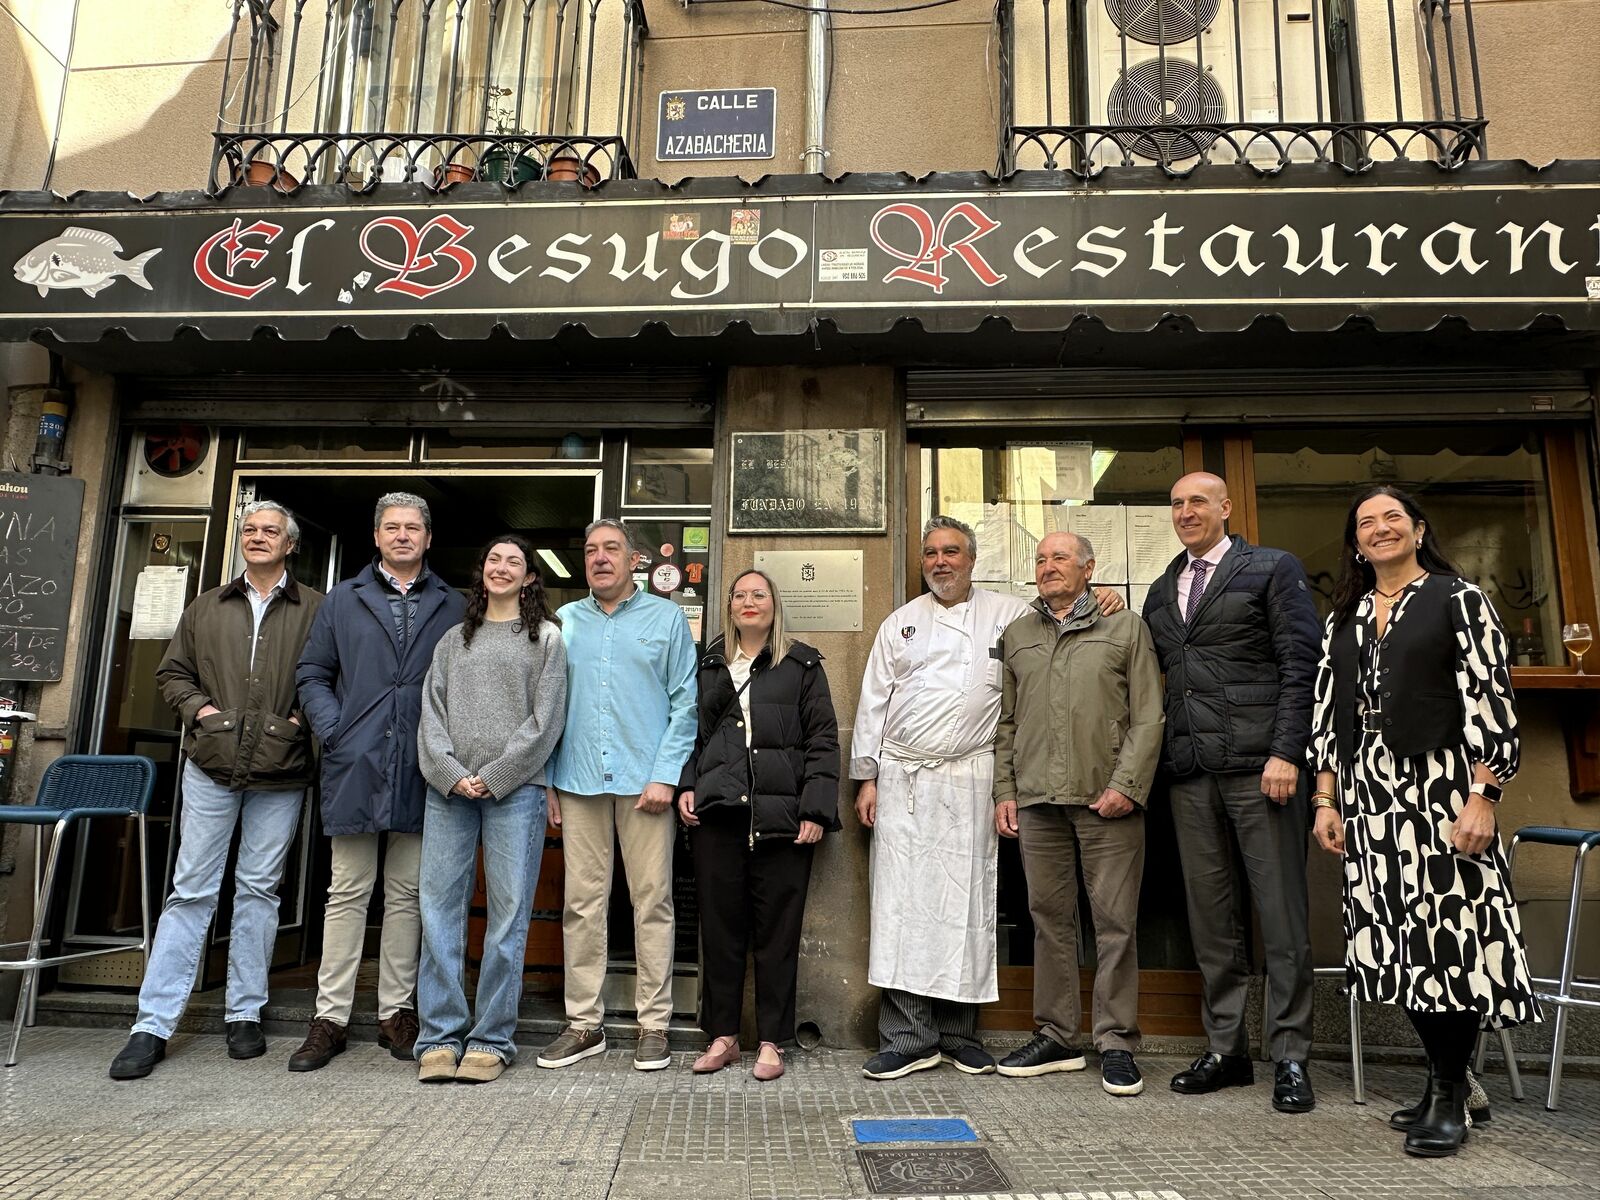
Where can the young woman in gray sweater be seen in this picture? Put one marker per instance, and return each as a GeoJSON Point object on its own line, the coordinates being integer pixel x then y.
{"type": "Point", "coordinates": [493, 707]}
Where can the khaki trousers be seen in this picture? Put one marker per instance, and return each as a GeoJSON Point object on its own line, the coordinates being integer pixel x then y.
{"type": "Point", "coordinates": [344, 925]}
{"type": "Point", "coordinates": [590, 826]}
{"type": "Point", "coordinates": [1055, 838]}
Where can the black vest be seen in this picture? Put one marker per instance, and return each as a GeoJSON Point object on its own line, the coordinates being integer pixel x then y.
{"type": "Point", "coordinates": [1420, 702]}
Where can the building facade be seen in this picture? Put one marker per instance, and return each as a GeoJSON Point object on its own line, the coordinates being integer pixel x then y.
{"type": "Point", "coordinates": [1023, 262]}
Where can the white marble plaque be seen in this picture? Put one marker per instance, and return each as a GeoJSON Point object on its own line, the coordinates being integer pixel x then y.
{"type": "Point", "coordinates": [821, 589]}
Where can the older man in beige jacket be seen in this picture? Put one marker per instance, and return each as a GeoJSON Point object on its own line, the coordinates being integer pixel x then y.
{"type": "Point", "coordinates": [1075, 752]}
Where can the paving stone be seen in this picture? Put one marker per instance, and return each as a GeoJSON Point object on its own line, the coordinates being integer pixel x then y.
{"type": "Point", "coordinates": [203, 1126]}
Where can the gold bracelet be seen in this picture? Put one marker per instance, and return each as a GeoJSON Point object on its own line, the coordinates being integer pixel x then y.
{"type": "Point", "coordinates": [1323, 800]}
{"type": "Point", "coordinates": [1321, 795]}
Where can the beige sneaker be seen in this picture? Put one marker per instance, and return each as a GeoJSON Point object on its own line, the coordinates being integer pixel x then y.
{"type": "Point", "coordinates": [479, 1066]}
{"type": "Point", "coordinates": [571, 1045]}
{"type": "Point", "coordinates": [652, 1054]}
{"type": "Point", "coordinates": [437, 1065]}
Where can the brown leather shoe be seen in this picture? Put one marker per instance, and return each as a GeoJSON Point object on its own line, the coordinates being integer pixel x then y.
{"type": "Point", "coordinates": [323, 1041]}
{"type": "Point", "coordinates": [398, 1034]}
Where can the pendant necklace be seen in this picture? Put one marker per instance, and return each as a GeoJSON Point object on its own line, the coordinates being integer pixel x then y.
{"type": "Point", "coordinates": [1390, 599]}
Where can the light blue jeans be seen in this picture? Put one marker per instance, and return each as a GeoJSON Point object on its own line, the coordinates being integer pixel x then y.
{"type": "Point", "coordinates": [206, 818]}
{"type": "Point", "coordinates": [512, 831]}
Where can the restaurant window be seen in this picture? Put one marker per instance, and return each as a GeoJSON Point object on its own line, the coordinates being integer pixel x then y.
{"type": "Point", "coordinates": [1485, 488]}
{"type": "Point", "coordinates": [1110, 487]}
{"type": "Point", "coordinates": [369, 443]}
{"type": "Point", "coordinates": [463, 443]}
{"type": "Point", "coordinates": [667, 475]}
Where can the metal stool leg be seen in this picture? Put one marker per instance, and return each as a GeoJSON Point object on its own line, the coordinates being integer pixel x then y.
{"type": "Point", "coordinates": [30, 977]}
{"type": "Point", "coordinates": [1358, 1068]}
{"type": "Point", "coordinates": [1512, 1073]}
{"type": "Point", "coordinates": [1569, 958]}
{"type": "Point", "coordinates": [1480, 1050]}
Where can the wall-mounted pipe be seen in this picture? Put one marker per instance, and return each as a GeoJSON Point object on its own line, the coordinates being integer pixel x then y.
{"type": "Point", "coordinates": [816, 87]}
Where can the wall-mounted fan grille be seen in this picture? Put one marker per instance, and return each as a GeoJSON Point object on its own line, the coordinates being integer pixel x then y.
{"type": "Point", "coordinates": [1162, 22]}
{"type": "Point", "coordinates": [1173, 92]}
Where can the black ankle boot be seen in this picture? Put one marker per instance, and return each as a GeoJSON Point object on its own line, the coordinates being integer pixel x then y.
{"type": "Point", "coordinates": [1405, 1118]}
{"type": "Point", "coordinates": [1441, 1126]}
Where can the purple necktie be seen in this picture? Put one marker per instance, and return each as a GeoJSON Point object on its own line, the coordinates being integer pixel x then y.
{"type": "Point", "coordinates": [1197, 588]}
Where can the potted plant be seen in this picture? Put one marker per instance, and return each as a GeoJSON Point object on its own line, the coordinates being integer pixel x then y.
{"type": "Point", "coordinates": [500, 163]}
{"type": "Point", "coordinates": [566, 167]}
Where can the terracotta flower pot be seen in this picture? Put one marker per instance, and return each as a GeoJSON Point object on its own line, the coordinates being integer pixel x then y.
{"type": "Point", "coordinates": [260, 173]}
{"type": "Point", "coordinates": [566, 169]}
{"type": "Point", "coordinates": [453, 173]}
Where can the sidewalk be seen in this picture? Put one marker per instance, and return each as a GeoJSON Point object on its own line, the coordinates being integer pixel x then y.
{"type": "Point", "coordinates": [205, 1127]}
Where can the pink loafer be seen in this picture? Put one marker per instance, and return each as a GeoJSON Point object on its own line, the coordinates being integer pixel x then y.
{"type": "Point", "coordinates": [723, 1052]}
{"type": "Point", "coordinates": [766, 1072]}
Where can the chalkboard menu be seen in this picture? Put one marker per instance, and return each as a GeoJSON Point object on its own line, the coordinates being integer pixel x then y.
{"type": "Point", "coordinates": [38, 558]}
{"type": "Point", "coordinates": [808, 481]}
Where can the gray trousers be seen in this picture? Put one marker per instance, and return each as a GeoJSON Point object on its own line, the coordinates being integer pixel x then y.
{"type": "Point", "coordinates": [1211, 813]}
{"type": "Point", "coordinates": [1058, 839]}
{"type": "Point", "coordinates": [913, 1024]}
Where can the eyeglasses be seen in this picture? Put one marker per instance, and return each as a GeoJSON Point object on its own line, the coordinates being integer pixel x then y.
{"type": "Point", "coordinates": [758, 595]}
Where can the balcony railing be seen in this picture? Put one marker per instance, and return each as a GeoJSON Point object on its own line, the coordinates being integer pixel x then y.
{"type": "Point", "coordinates": [1088, 84]}
{"type": "Point", "coordinates": [437, 92]}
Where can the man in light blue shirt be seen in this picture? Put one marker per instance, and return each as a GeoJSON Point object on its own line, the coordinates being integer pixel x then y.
{"type": "Point", "coordinates": [630, 728]}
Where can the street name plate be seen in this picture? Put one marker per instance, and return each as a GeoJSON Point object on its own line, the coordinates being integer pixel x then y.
{"type": "Point", "coordinates": [821, 589]}
{"type": "Point", "coordinates": [722, 123]}
{"type": "Point", "coordinates": [808, 481]}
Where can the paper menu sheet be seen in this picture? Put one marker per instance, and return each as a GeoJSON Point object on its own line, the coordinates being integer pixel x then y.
{"type": "Point", "coordinates": [158, 599]}
{"type": "Point", "coordinates": [1152, 542]}
{"type": "Point", "coordinates": [1105, 525]}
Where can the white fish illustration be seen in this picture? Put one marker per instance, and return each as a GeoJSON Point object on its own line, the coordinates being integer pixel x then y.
{"type": "Point", "coordinates": [81, 258]}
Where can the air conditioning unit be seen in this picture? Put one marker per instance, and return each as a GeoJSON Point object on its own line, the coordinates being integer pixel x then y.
{"type": "Point", "coordinates": [171, 465]}
{"type": "Point", "coordinates": [1185, 63]}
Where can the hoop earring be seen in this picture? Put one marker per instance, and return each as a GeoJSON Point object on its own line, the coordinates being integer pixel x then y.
{"type": "Point", "coordinates": [1419, 543]}
{"type": "Point", "coordinates": [1360, 557]}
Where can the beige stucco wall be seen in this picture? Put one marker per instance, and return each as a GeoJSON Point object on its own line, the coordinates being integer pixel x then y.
{"type": "Point", "coordinates": [1538, 62]}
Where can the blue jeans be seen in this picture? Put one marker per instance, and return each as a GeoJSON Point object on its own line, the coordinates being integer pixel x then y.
{"type": "Point", "coordinates": [512, 830]}
{"type": "Point", "coordinates": [267, 821]}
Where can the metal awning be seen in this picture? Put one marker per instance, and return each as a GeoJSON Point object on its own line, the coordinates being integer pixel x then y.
{"type": "Point", "coordinates": [1498, 247]}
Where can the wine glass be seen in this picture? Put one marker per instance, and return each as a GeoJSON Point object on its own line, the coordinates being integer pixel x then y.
{"type": "Point", "coordinates": [1577, 639]}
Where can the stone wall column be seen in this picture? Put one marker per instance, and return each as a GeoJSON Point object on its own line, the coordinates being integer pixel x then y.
{"type": "Point", "coordinates": [833, 990]}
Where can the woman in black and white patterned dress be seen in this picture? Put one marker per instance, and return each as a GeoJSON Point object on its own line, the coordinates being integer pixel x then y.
{"type": "Point", "coordinates": [1415, 732]}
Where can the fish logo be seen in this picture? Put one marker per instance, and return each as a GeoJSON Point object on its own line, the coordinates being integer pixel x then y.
{"type": "Point", "coordinates": [81, 258]}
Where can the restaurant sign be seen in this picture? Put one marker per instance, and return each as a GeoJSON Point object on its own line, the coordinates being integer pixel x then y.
{"type": "Point", "coordinates": [699, 260]}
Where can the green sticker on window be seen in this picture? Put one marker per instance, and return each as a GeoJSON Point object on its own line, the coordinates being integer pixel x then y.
{"type": "Point", "coordinates": [697, 537]}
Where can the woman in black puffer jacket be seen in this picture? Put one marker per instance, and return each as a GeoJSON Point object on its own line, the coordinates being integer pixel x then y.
{"type": "Point", "coordinates": [759, 791]}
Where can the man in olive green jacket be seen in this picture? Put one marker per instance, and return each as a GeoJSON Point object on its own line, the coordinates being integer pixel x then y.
{"type": "Point", "coordinates": [1075, 752]}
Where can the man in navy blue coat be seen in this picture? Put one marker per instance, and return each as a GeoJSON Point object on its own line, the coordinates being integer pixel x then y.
{"type": "Point", "coordinates": [360, 679]}
{"type": "Point", "coordinates": [1238, 639]}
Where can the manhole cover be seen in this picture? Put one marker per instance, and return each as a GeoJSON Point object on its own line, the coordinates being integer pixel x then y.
{"type": "Point", "coordinates": [931, 1172]}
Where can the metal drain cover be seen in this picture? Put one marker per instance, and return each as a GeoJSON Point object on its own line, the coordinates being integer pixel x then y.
{"type": "Point", "coordinates": [926, 1172]}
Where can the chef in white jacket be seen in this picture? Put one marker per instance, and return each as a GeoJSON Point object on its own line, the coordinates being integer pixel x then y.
{"type": "Point", "coordinates": [923, 751]}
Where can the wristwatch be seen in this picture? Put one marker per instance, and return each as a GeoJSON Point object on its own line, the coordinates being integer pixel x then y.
{"type": "Point", "coordinates": [1489, 791]}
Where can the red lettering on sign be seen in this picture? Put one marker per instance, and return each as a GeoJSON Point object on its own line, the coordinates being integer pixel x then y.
{"type": "Point", "coordinates": [231, 242]}
{"type": "Point", "coordinates": [418, 261]}
{"type": "Point", "coordinates": [926, 265]}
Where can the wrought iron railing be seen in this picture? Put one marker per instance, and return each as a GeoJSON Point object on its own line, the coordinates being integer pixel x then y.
{"type": "Point", "coordinates": [437, 92]}
{"type": "Point", "coordinates": [1087, 84]}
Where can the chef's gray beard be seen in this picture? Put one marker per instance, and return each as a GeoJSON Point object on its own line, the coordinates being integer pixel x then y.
{"type": "Point", "coordinates": [948, 590]}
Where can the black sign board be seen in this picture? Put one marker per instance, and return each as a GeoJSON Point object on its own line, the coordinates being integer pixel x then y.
{"type": "Point", "coordinates": [808, 481]}
{"type": "Point", "coordinates": [787, 254]}
{"type": "Point", "coordinates": [38, 558]}
{"type": "Point", "coordinates": [724, 123]}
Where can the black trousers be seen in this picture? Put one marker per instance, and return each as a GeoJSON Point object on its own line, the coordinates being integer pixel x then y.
{"type": "Point", "coordinates": [750, 900]}
{"type": "Point", "coordinates": [1449, 1038]}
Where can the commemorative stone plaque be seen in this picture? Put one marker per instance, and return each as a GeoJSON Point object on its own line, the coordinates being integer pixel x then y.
{"type": "Point", "coordinates": [808, 481]}
{"type": "Point", "coordinates": [821, 589]}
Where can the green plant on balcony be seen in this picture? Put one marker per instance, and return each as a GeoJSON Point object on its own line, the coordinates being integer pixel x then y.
{"type": "Point", "coordinates": [502, 164]}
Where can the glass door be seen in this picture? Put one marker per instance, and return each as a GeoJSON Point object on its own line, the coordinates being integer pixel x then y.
{"type": "Point", "coordinates": [157, 574]}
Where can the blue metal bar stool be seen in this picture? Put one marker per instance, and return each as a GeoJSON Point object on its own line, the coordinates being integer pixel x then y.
{"type": "Point", "coordinates": [1580, 841]}
{"type": "Point", "coordinates": [77, 786]}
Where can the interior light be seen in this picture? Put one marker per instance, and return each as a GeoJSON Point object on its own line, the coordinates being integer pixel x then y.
{"type": "Point", "coordinates": [555, 564]}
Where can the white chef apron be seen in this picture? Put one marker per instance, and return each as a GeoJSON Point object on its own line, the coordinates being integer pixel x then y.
{"type": "Point", "coordinates": [934, 875]}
